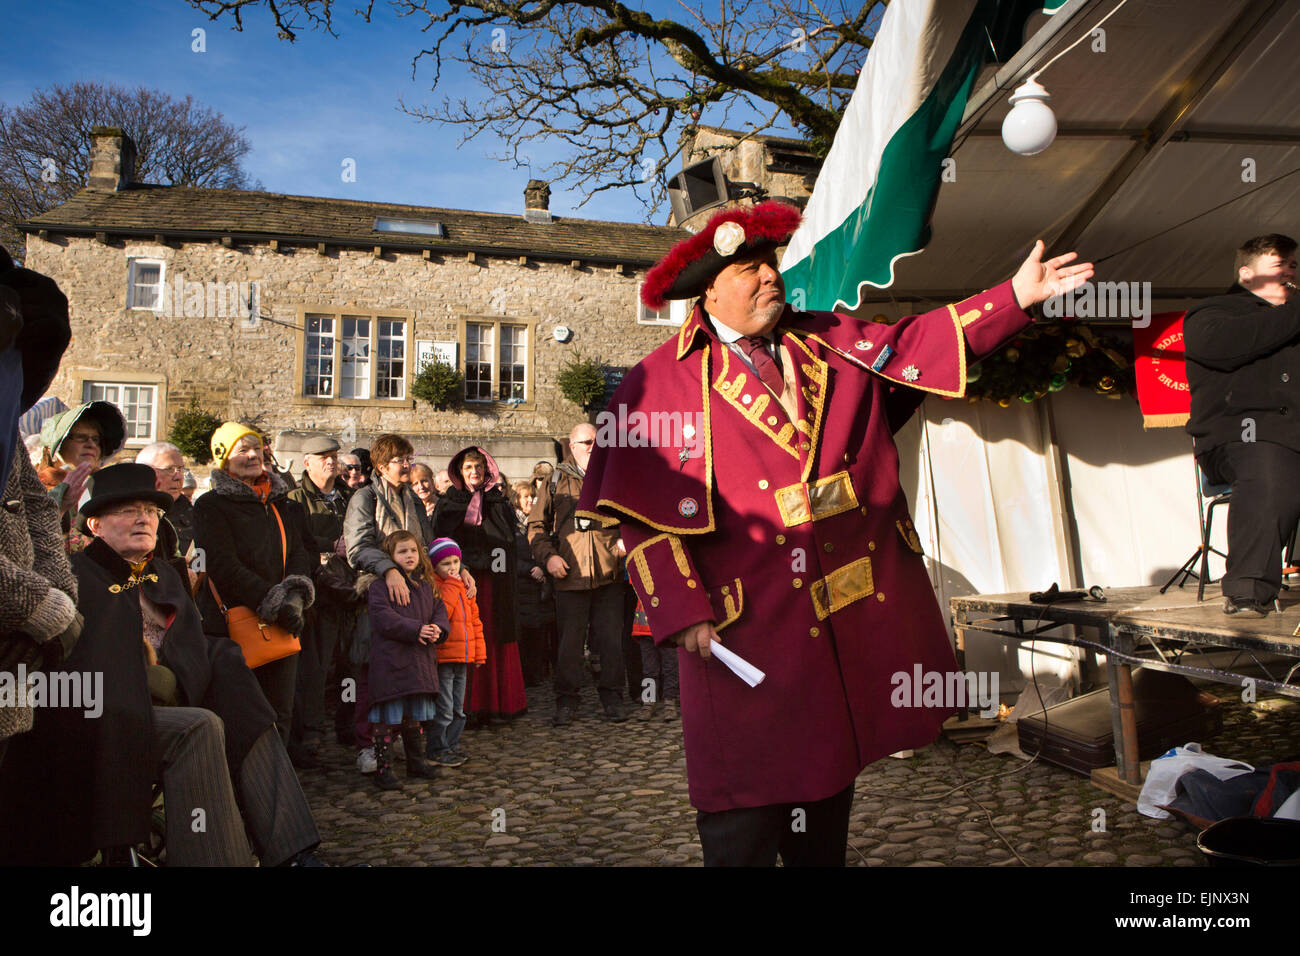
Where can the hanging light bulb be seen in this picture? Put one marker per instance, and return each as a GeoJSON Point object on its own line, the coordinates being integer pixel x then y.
{"type": "Point", "coordinates": [1030, 127]}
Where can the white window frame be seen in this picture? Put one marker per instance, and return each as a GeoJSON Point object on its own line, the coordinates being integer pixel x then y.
{"type": "Point", "coordinates": [492, 362]}
{"type": "Point", "coordinates": [89, 384]}
{"type": "Point", "coordinates": [673, 314]}
{"type": "Point", "coordinates": [341, 358]}
{"type": "Point", "coordinates": [374, 318]}
{"type": "Point", "coordinates": [498, 367]}
{"type": "Point", "coordinates": [378, 360]}
{"type": "Point", "coordinates": [497, 323]}
{"type": "Point", "coordinates": [307, 336]}
{"type": "Point", "coordinates": [131, 264]}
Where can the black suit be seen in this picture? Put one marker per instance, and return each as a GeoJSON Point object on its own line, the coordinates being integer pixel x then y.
{"type": "Point", "coordinates": [1243, 367]}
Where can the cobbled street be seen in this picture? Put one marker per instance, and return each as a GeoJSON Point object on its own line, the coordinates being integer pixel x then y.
{"type": "Point", "coordinates": [605, 794]}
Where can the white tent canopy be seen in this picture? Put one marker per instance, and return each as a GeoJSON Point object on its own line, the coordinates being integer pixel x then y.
{"type": "Point", "coordinates": [1192, 105]}
{"type": "Point", "coordinates": [1168, 144]}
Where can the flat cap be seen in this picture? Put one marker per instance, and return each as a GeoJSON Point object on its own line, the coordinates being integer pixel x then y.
{"type": "Point", "coordinates": [318, 445]}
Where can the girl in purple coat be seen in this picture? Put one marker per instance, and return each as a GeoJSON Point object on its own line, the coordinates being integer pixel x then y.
{"type": "Point", "coordinates": [403, 662]}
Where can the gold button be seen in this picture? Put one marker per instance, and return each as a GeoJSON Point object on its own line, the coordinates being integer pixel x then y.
{"type": "Point", "coordinates": [988, 306]}
{"type": "Point", "coordinates": [762, 484]}
{"type": "Point", "coordinates": [880, 595]}
{"type": "Point", "coordinates": [726, 589]}
{"type": "Point", "coordinates": [864, 510]}
{"type": "Point", "coordinates": [746, 399]}
{"type": "Point", "coordinates": [828, 547]}
{"type": "Point", "coordinates": [803, 446]}
{"type": "Point", "coordinates": [797, 582]}
{"type": "Point", "coordinates": [690, 583]}
{"type": "Point", "coordinates": [813, 631]}
{"type": "Point", "coordinates": [846, 456]}
{"type": "Point", "coordinates": [871, 546]}
{"type": "Point", "coordinates": [780, 539]}
{"type": "Point", "coordinates": [771, 420]}
{"type": "Point", "coordinates": [654, 602]}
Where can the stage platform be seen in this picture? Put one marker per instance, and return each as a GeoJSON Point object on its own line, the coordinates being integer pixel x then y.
{"type": "Point", "coordinates": [1142, 627]}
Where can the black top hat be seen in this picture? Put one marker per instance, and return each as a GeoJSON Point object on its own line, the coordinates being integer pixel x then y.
{"type": "Point", "coordinates": [120, 483]}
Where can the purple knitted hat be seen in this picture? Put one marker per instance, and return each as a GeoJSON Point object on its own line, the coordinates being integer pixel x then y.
{"type": "Point", "coordinates": [443, 548]}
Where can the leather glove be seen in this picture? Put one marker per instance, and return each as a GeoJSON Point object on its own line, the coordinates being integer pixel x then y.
{"type": "Point", "coordinates": [291, 616]}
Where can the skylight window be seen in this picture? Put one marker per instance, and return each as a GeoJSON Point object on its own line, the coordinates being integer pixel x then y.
{"type": "Point", "coordinates": [419, 227]}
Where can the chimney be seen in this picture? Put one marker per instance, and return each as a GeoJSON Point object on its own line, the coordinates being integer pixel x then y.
{"type": "Point", "coordinates": [112, 160]}
{"type": "Point", "coordinates": [537, 201]}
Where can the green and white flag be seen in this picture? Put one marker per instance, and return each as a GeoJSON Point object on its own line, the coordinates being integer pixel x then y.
{"type": "Point", "coordinates": [877, 188]}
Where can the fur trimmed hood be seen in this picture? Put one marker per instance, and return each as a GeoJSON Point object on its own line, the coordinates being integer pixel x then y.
{"type": "Point", "coordinates": [223, 483]}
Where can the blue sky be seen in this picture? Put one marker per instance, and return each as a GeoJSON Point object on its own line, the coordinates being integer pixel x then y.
{"type": "Point", "coordinates": [305, 106]}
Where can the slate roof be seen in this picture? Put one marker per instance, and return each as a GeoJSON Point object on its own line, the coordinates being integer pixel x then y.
{"type": "Point", "coordinates": [183, 213]}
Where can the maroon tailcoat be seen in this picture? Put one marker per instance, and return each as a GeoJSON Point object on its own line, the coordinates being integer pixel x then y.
{"type": "Point", "coordinates": [793, 537]}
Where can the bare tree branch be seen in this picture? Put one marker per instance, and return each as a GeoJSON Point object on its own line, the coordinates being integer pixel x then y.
{"type": "Point", "coordinates": [45, 146]}
{"type": "Point", "coordinates": [617, 85]}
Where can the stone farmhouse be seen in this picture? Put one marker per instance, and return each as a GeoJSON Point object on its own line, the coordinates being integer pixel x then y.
{"type": "Point", "coordinates": [315, 314]}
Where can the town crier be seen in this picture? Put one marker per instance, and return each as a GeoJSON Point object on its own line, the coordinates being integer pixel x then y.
{"type": "Point", "coordinates": [778, 527]}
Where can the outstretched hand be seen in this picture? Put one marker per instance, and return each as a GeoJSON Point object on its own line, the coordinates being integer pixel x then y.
{"type": "Point", "coordinates": [1037, 280]}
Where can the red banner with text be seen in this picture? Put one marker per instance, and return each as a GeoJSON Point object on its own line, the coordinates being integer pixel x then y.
{"type": "Point", "coordinates": [1160, 364]}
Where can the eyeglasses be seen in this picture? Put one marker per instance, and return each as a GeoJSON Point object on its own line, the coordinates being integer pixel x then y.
{"type": "Point", "coordinates": [586, 441]}
{"type": "Point", "coordinates": [135, 511]}
{"type": "Point", "coordinates": [351, 467]}
{"type": "Point", "coordinates": [176, 470]}
{"type": "Point", "coordinates": [409, 460]}
{"type": "Point", "coordinates": [85, 437]}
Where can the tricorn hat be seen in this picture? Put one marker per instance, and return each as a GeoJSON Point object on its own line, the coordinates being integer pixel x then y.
{"type": "Point", "coordinates": [731, 234]}
{"type": "Point", "coordinates": [116, 484]}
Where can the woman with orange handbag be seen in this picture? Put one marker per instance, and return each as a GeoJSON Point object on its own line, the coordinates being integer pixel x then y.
{"type": "Point", "coordinates": [259, 559]}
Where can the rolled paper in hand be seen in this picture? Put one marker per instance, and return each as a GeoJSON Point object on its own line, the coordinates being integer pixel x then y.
{"type": "Point", "coordinates": [742, 668]}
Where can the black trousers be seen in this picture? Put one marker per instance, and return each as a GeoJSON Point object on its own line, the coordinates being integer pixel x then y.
{"type": "Point", "coordinates": [1262, 514]}
{"type": "Point", "coordinates": [278, 680]}
{"type": "Point", "coordinates": [601, 610]}
{"type": "Point", "coordinates": [319, 639]}
{"type": "Point", "coordinates": [753, 836]}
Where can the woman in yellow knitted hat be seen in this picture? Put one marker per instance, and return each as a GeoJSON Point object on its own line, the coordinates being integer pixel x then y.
{"type": "Point", "coordinates": [238, 524]}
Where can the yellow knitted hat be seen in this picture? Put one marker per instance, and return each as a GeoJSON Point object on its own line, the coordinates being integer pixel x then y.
{"type": "Point", "coordinates": [225, 438]}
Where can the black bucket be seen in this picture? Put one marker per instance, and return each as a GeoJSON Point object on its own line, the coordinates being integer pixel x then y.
{"type": "Point", "coordinates": [1250, 841]}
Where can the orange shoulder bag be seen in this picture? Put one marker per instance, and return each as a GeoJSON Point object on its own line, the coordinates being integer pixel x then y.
{"type": "Point", "coordinates": [261, 643]}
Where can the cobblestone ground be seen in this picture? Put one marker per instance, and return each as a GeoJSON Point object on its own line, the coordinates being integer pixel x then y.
{"type": "Point", "coordinates": [605, 794]}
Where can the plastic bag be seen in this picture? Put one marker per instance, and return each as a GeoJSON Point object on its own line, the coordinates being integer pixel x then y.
{"type": "Point", "coordinates": [1161, 783]}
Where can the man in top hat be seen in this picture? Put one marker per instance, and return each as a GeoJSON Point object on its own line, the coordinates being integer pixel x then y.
{"type": "Point", "coordinates": [159, 699]}
{"type": "Point", "coordinates": [775, 525]}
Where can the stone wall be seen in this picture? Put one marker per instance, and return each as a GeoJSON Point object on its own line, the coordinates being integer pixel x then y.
{"type": "Point", "coordinates": [253, 373]}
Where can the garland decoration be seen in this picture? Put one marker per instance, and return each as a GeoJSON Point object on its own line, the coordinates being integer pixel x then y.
{"type": "Point", "coordinates": [1046, 357]}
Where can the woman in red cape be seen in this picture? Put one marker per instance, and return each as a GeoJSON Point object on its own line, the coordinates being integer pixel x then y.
{"type": "Point", "coordinates": [476, 513]}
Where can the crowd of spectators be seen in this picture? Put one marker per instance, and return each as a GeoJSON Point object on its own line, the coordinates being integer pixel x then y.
{"type": "Point", "coordinates": [416, 602]}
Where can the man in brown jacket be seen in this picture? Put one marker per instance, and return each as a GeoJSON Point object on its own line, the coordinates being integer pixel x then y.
{"type": "Point", "coordinates": [586, 563]}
